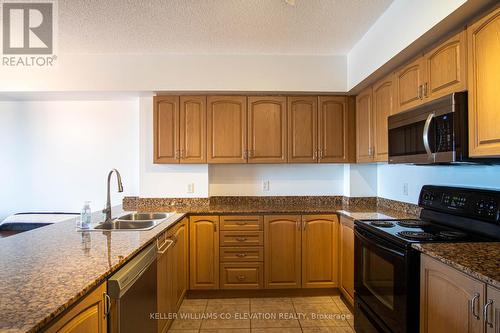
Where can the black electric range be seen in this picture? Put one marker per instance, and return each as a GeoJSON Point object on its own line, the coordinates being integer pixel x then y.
{"type": "Point", "coordinates": [387, 268]}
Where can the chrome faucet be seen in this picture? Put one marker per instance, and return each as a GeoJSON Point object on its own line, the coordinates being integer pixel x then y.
{"type": "Point", "coordinates": [107, 210]}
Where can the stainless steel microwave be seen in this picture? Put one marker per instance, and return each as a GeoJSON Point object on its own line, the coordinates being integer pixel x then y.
{"type": "Point", "coordinates": [435, 132]}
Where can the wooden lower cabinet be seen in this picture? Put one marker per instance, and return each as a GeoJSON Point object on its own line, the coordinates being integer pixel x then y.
{"type": "Point", "coordinates": [320, 251]}
{"type": "Point", "coordinates": [492, 310]}
{"type": "Point", "coordinates": [282, 249]}
{"type": "Point", "coordinates": [87, 316]}
{"type": "Point", "coordinates": [449, 299]}
{"type": "Point", "coordinates": [241, 275]}
{"type": "Point", "coordinates": [347, 258]}
{"type": "Point", "coordinates": [204, 252]}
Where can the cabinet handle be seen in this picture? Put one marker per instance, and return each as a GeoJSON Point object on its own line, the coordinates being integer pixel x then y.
{"type": "Point", "coordinates": [241, 277]}
{"type": "Point", "coordinates": [107, 304]}
{"type": "Point", "coordinates": [321, 153]}
{"type": "Point", "coordinates": [486, 314]}
{"type": "Point", "coordinates": [241, 255]}
{"type": "Point", "coordinates": [245, 154]}
{"type": "Point", "coordinates": [241, 239]}
{"type": "Point", "coordinates": [251, 153]}
{"type": "Point", "coordinates": [425, 89]}
{"type": "Point", "coordinates": [164, 247]}
{"type": "Point", "coordinates": [315, 154]}
{"type": "Point", "coordinates": [177, 154]}
{"type": "Point", "coordinates": [182, 153]}
{"type": "Point", "coordinates": [475, 300]}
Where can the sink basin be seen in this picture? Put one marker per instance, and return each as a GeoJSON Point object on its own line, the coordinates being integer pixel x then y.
{"type": "Point", "coordinates": [127, 225]}
{"type": "Point", "coordinates": [143, 217]}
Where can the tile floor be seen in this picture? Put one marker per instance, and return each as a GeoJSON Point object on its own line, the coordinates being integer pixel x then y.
{"type": "Point", "coordinates": [316, 314]}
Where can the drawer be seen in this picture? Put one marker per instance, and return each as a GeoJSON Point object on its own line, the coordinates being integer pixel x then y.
{"type": "Point", "coordinates": [228, 254]}
{"type": "Point", "coordinates": [241, 276]}
{"type": "Point", "coordinates": [241, 238]}
{"type": "Point", "coordinates": [241, 223]}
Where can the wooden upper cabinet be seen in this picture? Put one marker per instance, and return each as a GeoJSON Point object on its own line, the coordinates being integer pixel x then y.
{"type": "Point", "coordinates": [446, 67]}
{"type": "Point", "coordinates": [383, 93]}
{"type": "Point", "coordinates": [282, 250]}
{"type": "Point", "coordinates": [87, 316]}
{"type": "Point", "coordinates": [364, 126]}
{"type": "Point", "coordinates": [336, 123]}
{"type": "Point", "coordinates": [347, 258]}
{"type": "Point", "coordinates": [204, 252]}
{"type": "Point", "coordinates": [267, 129]}
{"type": "Point", "coordinates": [226, 129]}
{"type": "Point", "coordinates": [193, 134]}
{"type": "Point", "coordinates": [302, 129]}
{"type": "Point", "coordinates": [166, 129]}
{"type": "Point", "coordinates": [409, 85]}
{"type": "Point", "coordinates": [446, 299]}
{"type": "Point", "coordinates": [484, 89]}
{"type": "Point", "coordinates": [320, 251]}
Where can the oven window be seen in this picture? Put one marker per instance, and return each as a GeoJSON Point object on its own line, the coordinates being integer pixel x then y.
{"type": "Point", "coordinates": [378, 277]}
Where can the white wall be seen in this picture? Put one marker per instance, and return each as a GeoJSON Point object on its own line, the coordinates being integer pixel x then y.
{"type": "Point", "coordinates": [360, 180]}
{"type": "Point", "coordinates": [391, 178]}
{"type": "Point", "coordinates": [154, 72]}
{"type": "Point", "coordinates": [284, 179]}
{"type": "Point", "coordinates": [401, 24]}
{"type": "Point", "coordinates": [56, 154]}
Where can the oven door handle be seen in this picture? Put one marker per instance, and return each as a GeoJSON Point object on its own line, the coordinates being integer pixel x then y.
{"type": "Point", "coordinates": [378, 245]}
{"type": "Point", "coordinates": [425, 134]}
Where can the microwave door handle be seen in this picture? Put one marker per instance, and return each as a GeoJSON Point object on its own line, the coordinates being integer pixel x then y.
{"type": "Point", "coordinates": [425, 135]}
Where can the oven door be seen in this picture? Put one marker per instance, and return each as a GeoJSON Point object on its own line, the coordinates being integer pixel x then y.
{"type": "Point", "coordinates": [381, 279]}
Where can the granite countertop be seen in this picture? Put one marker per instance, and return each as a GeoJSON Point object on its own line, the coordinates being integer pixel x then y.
{"type": "Point", "coordinates": [479, 260]}
{"type": "Point", "coordinates": [46, 270]}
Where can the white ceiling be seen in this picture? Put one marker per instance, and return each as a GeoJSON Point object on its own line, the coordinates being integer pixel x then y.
{"type": "Point", "coordinates": [215, 26]}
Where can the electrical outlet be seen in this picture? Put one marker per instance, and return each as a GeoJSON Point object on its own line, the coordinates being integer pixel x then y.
{"type": "Point", "coordinates": [190, 188]}
{"type": "Point", "coordinates": [405, 188]}
{"type": "Point", "coordinates": [265, 185]}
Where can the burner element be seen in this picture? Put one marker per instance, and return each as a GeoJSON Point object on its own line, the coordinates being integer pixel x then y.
{"type": "Point", "coordinates": [451, 235]}
{"type": "Point", "coordinates": [382, 224]}
{"type": "Point", "coordinates": [412, 223]}
{"type": "Point", "coordinates": [416, 235]}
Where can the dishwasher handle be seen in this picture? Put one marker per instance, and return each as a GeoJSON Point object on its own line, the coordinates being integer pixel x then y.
{"type": "Point", "coordinates": [121, 281]}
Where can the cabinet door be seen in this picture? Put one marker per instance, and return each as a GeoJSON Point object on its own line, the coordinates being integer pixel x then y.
{"type": "Point", "coordinates": [483, 39]}
{"type": "Point", "coordinates": [445, 65]}
{"type": "Point", "coordinates": [383, 93]}
{"type": "Point", "coordinates": [227, 129]}
{"type": "Point", "coordinates": [302, 129]}
{"type": "Point", "coordinates": [334, 121]}
{"type": "Point", "coordinates": [282, 250]}
{"type": "Point", "coordinates": [364, 126]}
{"type": "Point", "coordinates": [320, 251]}
{"type": "Point", "coordinates": [409, 85]}
{"type": "Point", "coordinates": [347, 258]}
{"type": "Point", "coordinates": [492, 310]}
{"type": "Point", "coordinates": [182, 260]}
{"type": "Point", "coordinates": [87, 316]}
{"type": "Point", "coordinates": [204, 252]}
{"type": "Point", "coordinates": [266, 130]}
{"type": "Point", "coordinates": [166, 129]}
{"type": "Point", "coordinates": [449, 299]}
{"type": "Point", "coordinates": [193, 123]}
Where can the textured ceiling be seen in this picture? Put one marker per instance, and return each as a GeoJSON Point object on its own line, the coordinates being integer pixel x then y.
{"type": "Point", "coordinates": [215, 26]}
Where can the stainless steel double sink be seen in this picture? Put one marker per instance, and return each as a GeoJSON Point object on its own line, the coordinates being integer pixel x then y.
{"type": "Point", "coordinates": [134, 221]}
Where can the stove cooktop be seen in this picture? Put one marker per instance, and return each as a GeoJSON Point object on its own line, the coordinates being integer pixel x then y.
{"type": "Point", "coordinates": [415, 230]}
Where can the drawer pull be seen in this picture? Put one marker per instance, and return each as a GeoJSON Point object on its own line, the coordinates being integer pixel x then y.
{"type": "Point", "coordinates": [241, 223]}
{"type": "Point", "coordinates": [241, 255]}
{"type": "Point", "coordinates": [241, 277]}
{"type": "Point", "coordinates": [241, 239]}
